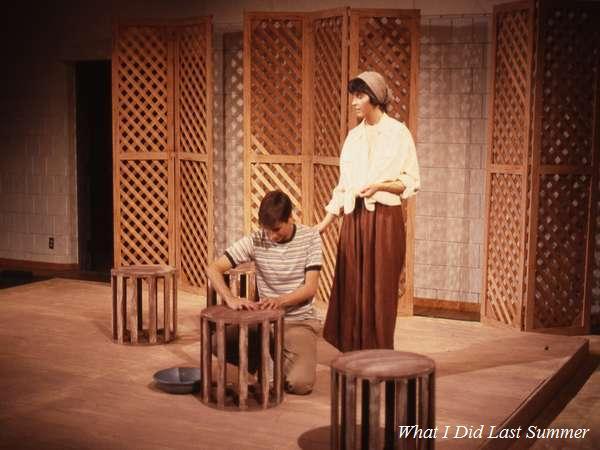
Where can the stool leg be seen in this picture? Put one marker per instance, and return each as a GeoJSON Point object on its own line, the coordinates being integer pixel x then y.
{"type": "Point", "coordinates": [167, 309]}
{"type": "Point", "coordinates": [349, 409]}
{"type": "Point", "coordinates": [251, 287]}
{"type": "Point", "coordinates": [234, 284]}
{"type": "Point", "coordinates": [400, 415]}
{"type": "Point", "coordinates": [174, 280]}
{"type": "Point", "coordinates": [264, 363]}
{"type": "Point", "coordinates": [139, 303]}
{"type": "Point", "coordinates": [152, 305]}
{"type": "Point", "coordinates": [243, 367]}
{"type": "Point", "coordinates": [431, 406]}
{"type": "Point", "coordinates": [222, 361]}
{"type": "Point", "coordinates": [423, 407]}
{"type": "Point", "coordinates": [364, 414]}
{"type": "Point", "coordinates": [206, 359]}
{"type": "Point", "coordinates": [411, 409]}
{"type": "Point", "coordinates": [133, 315]}
{"type": "Point", "coordinates": [334, 441]}
{"type": "Point", "coordinates": [113, 286]}
{"type": "Point", "coordinates": [121, 307]}
{"type": "Point", "coordinates": [374, 405]}
{"type": "Point", "coordinates": [278, 375]}
{"type": "Point", "coordinates": [390, 430]}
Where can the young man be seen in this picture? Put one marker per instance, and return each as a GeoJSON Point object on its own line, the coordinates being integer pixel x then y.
{"type": "Point", "coordinates": [288, 259]}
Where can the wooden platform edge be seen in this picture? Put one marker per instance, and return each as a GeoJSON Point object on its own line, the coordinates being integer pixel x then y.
{"type": "Point", "coordinates": [535, 403]}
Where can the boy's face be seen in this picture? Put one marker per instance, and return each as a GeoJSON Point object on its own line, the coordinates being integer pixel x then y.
{"type": "Point", "coordinates": [281, 231]}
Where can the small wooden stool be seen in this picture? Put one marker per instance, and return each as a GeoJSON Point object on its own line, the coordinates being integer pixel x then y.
{"type": "Point", "coordinates": [241, 281]}
{"type": "Point", "coordinates": [127, 317]}
{"type": "Point", "coordinates": [408, 380]}
{"type": "Point", "coordinates": [222, 317]}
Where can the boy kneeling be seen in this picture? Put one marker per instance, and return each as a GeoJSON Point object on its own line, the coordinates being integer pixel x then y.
{"type": "Point", "coordinates": [288, 262]}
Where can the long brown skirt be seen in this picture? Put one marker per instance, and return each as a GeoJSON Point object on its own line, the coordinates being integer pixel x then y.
{"type": "Point", "coordinates": [364, 298]}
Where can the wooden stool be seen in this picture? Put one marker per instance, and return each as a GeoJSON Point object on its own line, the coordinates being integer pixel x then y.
{"type": "Point", "coordinates": [127, 317]}
{"type": "Point", "coordinates": [408, 380]}
{"type": "Point", "coordinates": [222, 317]}
{"type": "Point", "coordinates": [241, 281]}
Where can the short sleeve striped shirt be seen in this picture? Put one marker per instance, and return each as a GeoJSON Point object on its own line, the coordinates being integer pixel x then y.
{"type": "Point", "coordinates": [281, 266]}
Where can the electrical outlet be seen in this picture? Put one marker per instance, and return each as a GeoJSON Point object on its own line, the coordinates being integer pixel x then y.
{"type": "Point", "coordinates": [51, 243]}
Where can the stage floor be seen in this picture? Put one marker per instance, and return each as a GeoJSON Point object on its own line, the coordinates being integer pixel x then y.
{"type": "Point", "coordinates": [65, 384]}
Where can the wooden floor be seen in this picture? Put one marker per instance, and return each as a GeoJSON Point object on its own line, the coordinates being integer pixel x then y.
{"type": "Point", "coordinates": [65, 384]}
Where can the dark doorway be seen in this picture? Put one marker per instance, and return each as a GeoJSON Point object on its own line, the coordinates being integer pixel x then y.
{"type": "Point", "coordinates": [94, 165]}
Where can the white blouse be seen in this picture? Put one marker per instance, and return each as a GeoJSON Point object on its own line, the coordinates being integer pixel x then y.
{"type": "Point", "coordinates": [393, 158]}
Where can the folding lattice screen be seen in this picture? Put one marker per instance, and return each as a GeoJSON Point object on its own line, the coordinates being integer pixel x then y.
{"type": "Point", "coordinates": [162, 144]}
{"type": "Point", "coordinates": [296, 70]}
{"type": "Point", "coordinates": [542, 168]}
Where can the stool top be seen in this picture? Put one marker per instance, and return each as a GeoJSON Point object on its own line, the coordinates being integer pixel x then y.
{"type": "Point", "coordinates": [231, 316]}
{"type": "Point", "coordinates": [143, 270]}
{"type": "Point", "coordinates": [383, 364]}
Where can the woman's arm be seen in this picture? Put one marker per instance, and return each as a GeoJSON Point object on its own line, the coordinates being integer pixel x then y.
{"type": "Point", "coordinates": [322, 226]}
{"type": "Point", "coordinates": [395, 187]}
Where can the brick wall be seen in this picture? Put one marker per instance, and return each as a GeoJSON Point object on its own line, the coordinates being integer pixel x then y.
{"type": "Point", "coordinates": [451, 149]}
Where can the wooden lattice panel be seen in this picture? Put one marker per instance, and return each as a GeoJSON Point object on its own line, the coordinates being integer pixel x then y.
{"type": "Point", "coordinates": [276, 86]}
{"type": "Point", "coordinates": [571, 51]}
{"type": "Point", "coordinates": [193, 90]}
{"type": "Point", "coordinates": [267, 177]}
{"type": "Point", "coordinates": [325, 179]}
{"type": "Point", "coordinates": [561, 250]}
{"type": "Point", "coordinates": [504, 247]}
{"type": "Point", "coordinates": [194, 230]}
{"type": "Point", "coordinates": [329, 85]}
{"type": "Point", "coordinates": [141, 66]}
{"type": "Point", "coordinates": [595, 282]}
{"type": "Point", "coordinates": [385, 44]}
{"type": "Point", "coordinates": [162, 144]}
{"type": "Point", "coordinates": [511, 85]}
{"type": "Point", "coordinates": [144, 212]}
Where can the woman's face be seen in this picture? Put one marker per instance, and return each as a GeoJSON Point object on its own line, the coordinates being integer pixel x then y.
{"type": "Point", "coordinates": [361, 104]}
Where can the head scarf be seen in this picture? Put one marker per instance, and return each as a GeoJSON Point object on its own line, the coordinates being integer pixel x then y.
{"type": "Point", "coordinates": [377, 84]}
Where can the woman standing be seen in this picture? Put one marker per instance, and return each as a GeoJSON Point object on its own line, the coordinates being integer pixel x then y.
{"type": "Point", "coordinates": [378, 169]}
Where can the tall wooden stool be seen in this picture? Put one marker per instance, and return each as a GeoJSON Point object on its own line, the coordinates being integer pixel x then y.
{"type": "Point", "coordinates": [127, 311]}
{"type": "Point", "coordinates": [221, 317]}
{"type": "Point", "coordinates": [241, 281]}
{"type": "Point", "coordinates": [408, 384]}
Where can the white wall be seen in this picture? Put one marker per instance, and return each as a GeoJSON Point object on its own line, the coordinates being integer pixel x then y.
{"type": "Point", "coordinates": [37, 153]}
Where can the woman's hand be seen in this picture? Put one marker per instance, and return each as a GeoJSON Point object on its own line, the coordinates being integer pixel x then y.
{"type": "Point", "coordinates": [368, 190]}
{"type": "Point", "coordinates": [322, 226]}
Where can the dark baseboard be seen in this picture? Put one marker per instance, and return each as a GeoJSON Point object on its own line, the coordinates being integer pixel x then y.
{"type": "Point", "coordinates": [446, 309]}
{"type": "Point", "coordinates": [36, 267]}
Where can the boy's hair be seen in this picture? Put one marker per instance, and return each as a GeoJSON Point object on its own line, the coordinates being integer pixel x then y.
{"type": "Point", "coordinates": [356, 85]}
{"type": "Point", "coordinates": [275, 207]}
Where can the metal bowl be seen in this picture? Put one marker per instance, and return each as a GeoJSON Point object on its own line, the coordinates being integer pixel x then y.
{"type": "Point", "coordinates": [178, 380]}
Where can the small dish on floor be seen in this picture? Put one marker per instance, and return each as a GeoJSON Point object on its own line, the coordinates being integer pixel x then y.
{"type": "Point", "coordinates": [178, 380]}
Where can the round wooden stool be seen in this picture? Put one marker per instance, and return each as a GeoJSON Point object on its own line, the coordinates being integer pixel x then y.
{"type": "Point", "coordinates": [241, 281]}
{"type": "Point", "coordinates": [221, 317]}
{"type": "Point", "coordinates": [127, 311]}
{"type": "Point", "coordinates": [408, 384]}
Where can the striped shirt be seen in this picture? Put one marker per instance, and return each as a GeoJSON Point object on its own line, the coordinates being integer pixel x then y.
{"type": "Point", "coordinates": [281, 266]}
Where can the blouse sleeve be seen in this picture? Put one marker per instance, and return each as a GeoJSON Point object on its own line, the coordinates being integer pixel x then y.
{"type": "Point", "coordinates": [337, 196]}
{"type": "Point", "coordinates": [409, 175]}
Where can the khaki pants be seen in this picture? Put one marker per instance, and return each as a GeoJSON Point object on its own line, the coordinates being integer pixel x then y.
{"type": "Point", "coordinates": [299, 353]}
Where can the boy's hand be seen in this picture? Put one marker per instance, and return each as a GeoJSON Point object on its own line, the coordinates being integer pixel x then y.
{"type": "Point", "coordinates": [238, 304]}
{"type": "Point", "coordinates": [270, 303]}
